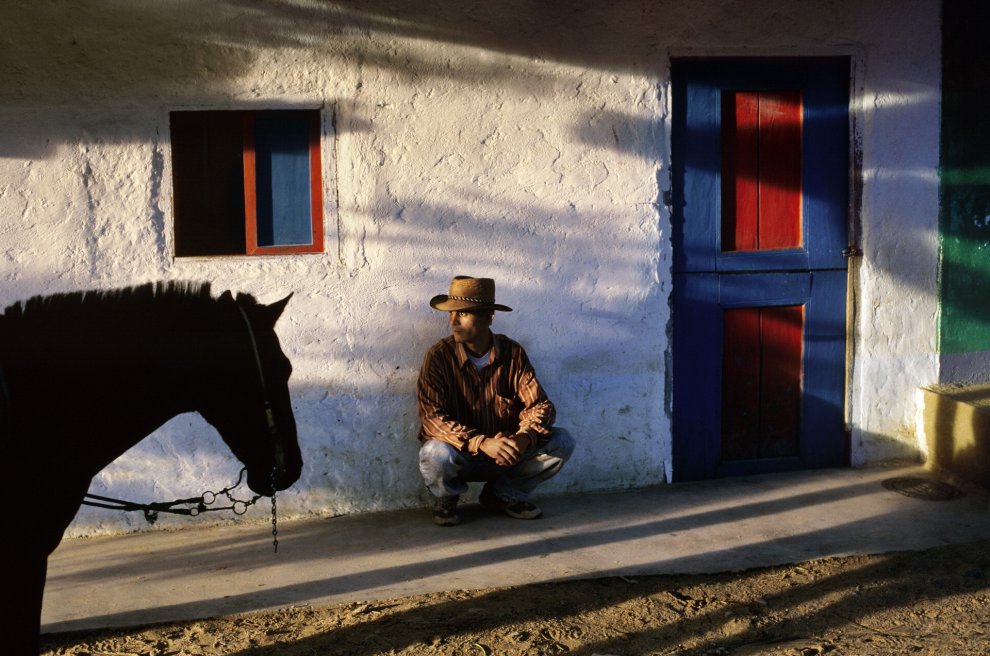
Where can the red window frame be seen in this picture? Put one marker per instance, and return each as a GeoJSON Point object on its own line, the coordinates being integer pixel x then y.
{"type": "Point", "coordinates": [250, 192]}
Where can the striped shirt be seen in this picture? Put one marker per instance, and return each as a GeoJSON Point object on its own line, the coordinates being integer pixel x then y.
{"type": "Point", "coordinates": [463, 406]}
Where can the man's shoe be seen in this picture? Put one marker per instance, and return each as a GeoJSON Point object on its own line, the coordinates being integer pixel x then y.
{"type": "Point", "coordinates": [445, 511]}
{"type": "Point", "coordinates": [516, 509]}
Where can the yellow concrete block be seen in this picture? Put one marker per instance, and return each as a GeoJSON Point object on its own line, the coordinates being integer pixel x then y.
{"type": "Point", "coordinates": [957, 431]}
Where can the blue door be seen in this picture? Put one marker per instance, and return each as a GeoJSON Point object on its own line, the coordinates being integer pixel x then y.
{"type": "Point", "coordinates": [760, 191]}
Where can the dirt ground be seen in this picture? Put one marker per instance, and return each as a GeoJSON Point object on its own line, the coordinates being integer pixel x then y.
{"type": "Point", "coordinates": [930, 602]}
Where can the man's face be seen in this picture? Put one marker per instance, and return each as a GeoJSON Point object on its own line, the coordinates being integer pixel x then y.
{"type": "Point", "coordinates": [470, 326]}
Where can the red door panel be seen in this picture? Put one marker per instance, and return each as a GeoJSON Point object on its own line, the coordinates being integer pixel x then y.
{"type": "Point", "coordinates": [741, 384]}
{"type": "Point", "coordinates": [780, 383]}
{"type": "Point", "coordinates": [761, 170]}
{"type": "Point", "coordinates": [761, 382]}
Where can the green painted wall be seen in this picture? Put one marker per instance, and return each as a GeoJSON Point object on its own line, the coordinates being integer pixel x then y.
{"type": "Point", "coordinates": [964, 323]}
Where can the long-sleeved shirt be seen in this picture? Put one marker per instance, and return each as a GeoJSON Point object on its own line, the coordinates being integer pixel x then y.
{"type": "Point", "coordinates": [463, 406]}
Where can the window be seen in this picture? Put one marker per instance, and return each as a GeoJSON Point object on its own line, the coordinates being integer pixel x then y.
{"type": "Point", "coordinates": [246, 182]}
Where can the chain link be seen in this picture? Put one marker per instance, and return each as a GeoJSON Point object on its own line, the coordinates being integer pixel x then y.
{"type": "Point", "coordinates": [195, 505]}
{"type": "Point", "coordinates": [274, 515]}
{"type": "Point", "coordinates": [192, 506]}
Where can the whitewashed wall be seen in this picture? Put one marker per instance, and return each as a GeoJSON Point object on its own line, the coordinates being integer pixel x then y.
{"type": "Point", "coordinates": [510, 140]}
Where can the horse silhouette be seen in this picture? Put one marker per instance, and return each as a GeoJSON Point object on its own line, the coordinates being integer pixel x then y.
{"type": "Point", "coordinates": [84, 376]}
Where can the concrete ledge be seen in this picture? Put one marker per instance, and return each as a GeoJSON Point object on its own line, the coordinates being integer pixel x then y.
{"type": "Point", "coordinates": [957, 432]}
{"type": "Point", "coordinates": [719, 525]}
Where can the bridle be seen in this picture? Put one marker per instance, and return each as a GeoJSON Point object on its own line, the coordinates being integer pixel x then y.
{"type": "Point", "coordinates": [195, 505]}
{"type": "Point", "coordinates": [278, 461]}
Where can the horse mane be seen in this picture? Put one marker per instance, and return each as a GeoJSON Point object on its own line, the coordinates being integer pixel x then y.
{"type": "Point", "coordinates": [152, 305]}
{"type": "Point", "coordinates": [147, 297]}
{"type": "Point", "coordinates": [137, 296]}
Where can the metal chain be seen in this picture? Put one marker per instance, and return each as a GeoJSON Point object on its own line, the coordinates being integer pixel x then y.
{"type": "Point", "coordinates": [274, 515]}
{"type": "Point", "coordinates": [198, 504]}
{"type": "Point", "coordinates": [193, 506]}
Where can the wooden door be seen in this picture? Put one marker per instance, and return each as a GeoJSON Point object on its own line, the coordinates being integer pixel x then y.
{"type": "Point", "coordinates": [760, 182]}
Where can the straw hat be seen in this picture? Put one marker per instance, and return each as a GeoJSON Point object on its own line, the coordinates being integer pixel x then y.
{"type": "Point", "coordinates": [468, 293]}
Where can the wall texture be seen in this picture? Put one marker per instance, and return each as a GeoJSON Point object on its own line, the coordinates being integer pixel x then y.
{"type": "Point", "coordinates": [516, 140]}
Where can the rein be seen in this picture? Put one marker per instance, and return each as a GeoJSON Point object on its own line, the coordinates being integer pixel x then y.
{"type": "Point", "coordinates": [195, 505]}
{"type": "Point", "coordinates": [200, 504]}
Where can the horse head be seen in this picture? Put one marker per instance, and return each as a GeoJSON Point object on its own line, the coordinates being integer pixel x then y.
{"type": "Point", "coordinates": [249, 401]}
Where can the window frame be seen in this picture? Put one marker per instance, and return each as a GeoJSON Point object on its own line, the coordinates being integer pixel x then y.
{"type": "Point", "coordinates": [251, 195]}
{"type": "Point", "coordinates": [241, 122]}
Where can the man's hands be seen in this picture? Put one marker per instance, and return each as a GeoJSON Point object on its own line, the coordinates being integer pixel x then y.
{"type": "Point", "coordinates": [506, 450]}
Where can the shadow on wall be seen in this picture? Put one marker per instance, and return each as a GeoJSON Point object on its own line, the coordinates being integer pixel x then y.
{"type": "Point", "coordinates": [103, 53]}
{"type": "Point", "coordinates": [169, 50]}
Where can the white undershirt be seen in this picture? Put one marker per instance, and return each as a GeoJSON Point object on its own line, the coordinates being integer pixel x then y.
{"type": "Point", "coordinates": [481, 361]}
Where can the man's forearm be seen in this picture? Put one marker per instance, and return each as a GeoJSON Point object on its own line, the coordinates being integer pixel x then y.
{"type": "Point", "coordinates": [537, 421]}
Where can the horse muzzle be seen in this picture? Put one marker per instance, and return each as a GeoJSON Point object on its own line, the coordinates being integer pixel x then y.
{"type": "Point", "coordinates": [279, 475]}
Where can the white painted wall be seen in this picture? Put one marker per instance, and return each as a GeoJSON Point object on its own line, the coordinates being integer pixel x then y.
{"type": "Point", "coordinates": [509, 140]}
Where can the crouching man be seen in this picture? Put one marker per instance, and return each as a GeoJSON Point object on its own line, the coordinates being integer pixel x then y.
{"type": "Point", "coordinates": [483, 413]}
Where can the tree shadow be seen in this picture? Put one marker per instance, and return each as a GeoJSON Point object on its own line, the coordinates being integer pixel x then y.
{"type": "Point", "coordinates": [807, 604]}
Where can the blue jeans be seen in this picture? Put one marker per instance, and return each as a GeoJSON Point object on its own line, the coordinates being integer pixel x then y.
{"type": "Point", "coordinates": [447, 471]}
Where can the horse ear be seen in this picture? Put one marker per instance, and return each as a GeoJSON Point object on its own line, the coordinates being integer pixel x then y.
{"type": "Point", "coordinates": [275, 310]}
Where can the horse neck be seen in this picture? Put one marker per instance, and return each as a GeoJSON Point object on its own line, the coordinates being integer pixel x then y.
{"type": "Point", "coordinates": [4, 394]}
{"type": "Point", "coordinates": [87, 388]}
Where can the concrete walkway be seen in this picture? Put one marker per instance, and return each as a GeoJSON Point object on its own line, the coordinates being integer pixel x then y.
{"type": "Point", "coordinates": [723, 525]}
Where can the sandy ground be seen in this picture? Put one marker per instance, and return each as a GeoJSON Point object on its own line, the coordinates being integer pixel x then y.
{"type": "Point", "coordinates": [928, 602]}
